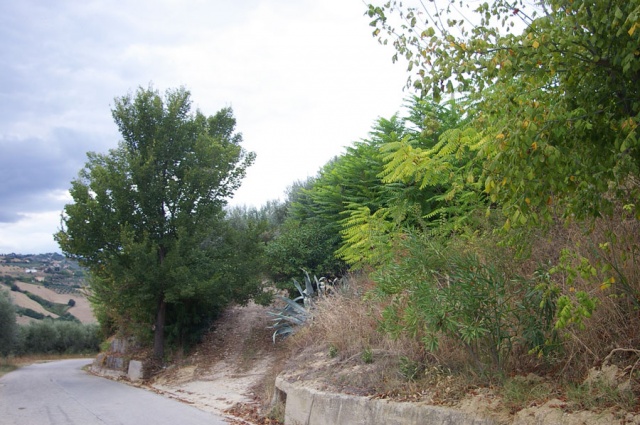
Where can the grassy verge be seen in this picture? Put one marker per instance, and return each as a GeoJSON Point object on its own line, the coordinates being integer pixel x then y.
{"type": "Point", "coordinates": [6, 366]}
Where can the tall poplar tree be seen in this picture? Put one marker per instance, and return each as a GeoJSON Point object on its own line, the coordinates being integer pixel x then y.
{"type": "Point", "coordinates": [143, 215]}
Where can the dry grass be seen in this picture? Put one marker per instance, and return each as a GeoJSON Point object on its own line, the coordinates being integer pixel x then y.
{"type": "Point", "coordinates": [344, 322]}
{"type": "Point", "coordinates": [612, 247]}
{"type": "Point", "coordinates": [344, 346]}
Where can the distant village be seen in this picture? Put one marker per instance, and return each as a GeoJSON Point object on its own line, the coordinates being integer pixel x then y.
{"type": "Point", "coordinates": [52, 270]}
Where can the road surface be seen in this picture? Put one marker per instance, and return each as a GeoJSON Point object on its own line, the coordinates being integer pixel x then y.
{"type": "Point", "coordinates": [60, 393]}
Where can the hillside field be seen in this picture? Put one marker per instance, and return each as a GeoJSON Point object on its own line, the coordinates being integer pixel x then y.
{"type": "Point", "coordinates": [81, 310]}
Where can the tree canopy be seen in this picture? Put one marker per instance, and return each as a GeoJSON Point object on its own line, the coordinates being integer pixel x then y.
{"type": "Point", "coordinates": [553, 90]}
{"type": "Point", "coordinates": [145, 217]}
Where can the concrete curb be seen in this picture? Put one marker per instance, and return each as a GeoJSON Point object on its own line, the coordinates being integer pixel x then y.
{"type": "Point", "coordinates": [308, 406]}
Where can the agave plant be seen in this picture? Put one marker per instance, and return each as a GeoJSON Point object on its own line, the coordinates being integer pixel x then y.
{"type": "Point", "coordinates": [298, 310]}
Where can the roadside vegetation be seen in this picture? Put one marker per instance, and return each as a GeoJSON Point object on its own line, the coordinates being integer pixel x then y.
{"type": "Point", "coordinates": [41, 339]}
{"type": "Point", "coordinates": [491, 228]}
{"type": "Point", "coordinates": [489, 233]}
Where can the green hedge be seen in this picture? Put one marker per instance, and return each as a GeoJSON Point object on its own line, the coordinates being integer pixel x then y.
{"type": "Point", "coordinates": [56, 337]}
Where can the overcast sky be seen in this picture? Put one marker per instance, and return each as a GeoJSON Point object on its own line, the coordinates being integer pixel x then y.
{"type": "Point", "coordinates": [305, 78]}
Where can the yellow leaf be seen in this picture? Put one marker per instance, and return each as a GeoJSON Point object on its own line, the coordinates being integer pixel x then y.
{"type": "Point", "coordinates": [534, 146]}
{"type": "Point", "coordinates": [535, 44]}
{"type": "Point", "coordinates": [500, 136]}
{"type": "Point", "coordinates": [527, 200]}
{"type": "Point", "coordinates": [632, 29]}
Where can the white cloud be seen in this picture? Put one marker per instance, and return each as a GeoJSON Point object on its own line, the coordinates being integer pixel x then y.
{"type": "Point", "coordinates": [33, 234]}
{"type": "Point", "coordinates": [305, 79]}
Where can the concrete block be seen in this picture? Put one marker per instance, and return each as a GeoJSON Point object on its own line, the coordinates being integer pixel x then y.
{"type": "Point", "coordinates": [136, 370]}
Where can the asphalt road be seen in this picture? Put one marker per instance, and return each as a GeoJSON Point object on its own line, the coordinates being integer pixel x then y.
{"type": "Point", "coordinates": [60, 393]}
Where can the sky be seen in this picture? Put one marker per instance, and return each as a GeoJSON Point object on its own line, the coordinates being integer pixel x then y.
{"type": "Point", "coordinates": [305, 79]}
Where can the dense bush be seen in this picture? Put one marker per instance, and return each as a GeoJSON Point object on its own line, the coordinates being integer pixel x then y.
{"type": "Point", "coordinates": [7, 324]}
{"type": "Point", "coordinates": [30, 313]}
{"type": "Point", "coordinates": [302, 245]}
{"type": "Point", "coordinates": [57, 337]}
{"type": "Point", "coordinates": [442, 291]}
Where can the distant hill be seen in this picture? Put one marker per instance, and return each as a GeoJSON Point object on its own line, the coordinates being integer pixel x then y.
{"type": "Point", "coordinates": [46, 285]}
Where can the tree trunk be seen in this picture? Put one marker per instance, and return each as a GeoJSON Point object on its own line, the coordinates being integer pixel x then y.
{"type": "Point", "coordinates": [158, 335]}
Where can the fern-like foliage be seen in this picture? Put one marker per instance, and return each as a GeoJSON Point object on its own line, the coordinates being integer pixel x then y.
{"type": "Point", "coordinates": [365, 236]}
{"type": "Point", "coordinates": [449, 166]}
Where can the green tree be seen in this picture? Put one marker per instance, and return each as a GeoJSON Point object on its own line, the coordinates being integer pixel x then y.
{"type": "Point", "coordinates": [142, 215]}
{"type": "Point", "coordinates": [303, 239]}
{"type": "Point", "coordinates": [392, 184]}
{"type": "Point", "coordinates": [8, 325]}
{"type": "Point", "coordinates": [553, 90]}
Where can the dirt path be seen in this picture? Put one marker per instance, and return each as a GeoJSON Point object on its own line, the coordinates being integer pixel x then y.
{"type": "Point", "coordinates": [227, 367]}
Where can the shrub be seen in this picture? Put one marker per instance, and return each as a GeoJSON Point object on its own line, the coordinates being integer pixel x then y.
{"type": "Point", "coordinates": [31, 313]}
{"type": "Point", "coordinates": [7, 324]}
{"type": "Point", "coordinates": [40, 337]}
{"type": "Point", "coordinates": [597, 279]}
{"type": "Point", "coordinates": [440, 290]}
{"type": "Point", "coordinates": [57, 337]}
{"type": "Point", "coordinates": [304, 245]}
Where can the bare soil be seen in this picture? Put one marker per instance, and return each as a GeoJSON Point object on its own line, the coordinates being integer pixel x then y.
{"type": "Point", "coordinates": [81, 310]}
{"type": "Point", "coordinates": [24, 301]}
{"type": "Point", "coordinates": [225, 374]}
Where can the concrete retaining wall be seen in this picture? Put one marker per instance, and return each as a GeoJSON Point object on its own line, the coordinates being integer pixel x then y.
{"type": "Point", "coordinates": [308, 406]}
{"type": "Point", "coordinates": [117, 364]}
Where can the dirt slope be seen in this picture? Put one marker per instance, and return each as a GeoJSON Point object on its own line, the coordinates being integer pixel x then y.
{"type": "Point", "coordinates": [227, 367]}
{"type": "Point", "coordinates": [237, 358]}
